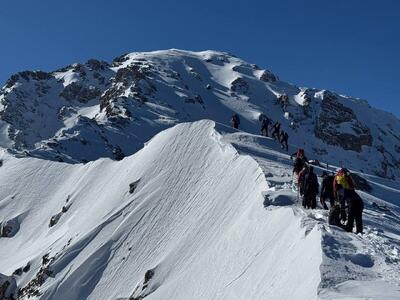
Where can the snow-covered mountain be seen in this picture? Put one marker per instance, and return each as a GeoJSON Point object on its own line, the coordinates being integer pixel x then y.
{"type": "Point", "coordinates": [86, 111]}
{"type": "Point", "coordinates": [196, 210]}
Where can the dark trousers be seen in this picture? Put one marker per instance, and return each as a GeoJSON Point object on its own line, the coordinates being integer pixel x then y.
{"type": "Point", "coordinates": [264, 131]}
{"type": "Point", "coordinates": [355, 214]}
{"type": "Point", "coordinates": [310, 201]}
{"type": "Point", "coordinates": [285, 145]}
{"type": "Point", "coordinates": [275, 134]}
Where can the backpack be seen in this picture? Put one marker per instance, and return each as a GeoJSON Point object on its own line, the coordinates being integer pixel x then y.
{"type": "Point", "coordinates": [300, 152]}
{"type": "Point", "coordinates": [310, 185]}
{"type": "Point", "coordinates": [327, 185]}
{"type": "Point", "coordinates": [298, 165]}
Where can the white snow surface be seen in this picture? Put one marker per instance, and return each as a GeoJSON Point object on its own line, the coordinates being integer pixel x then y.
{"type": "Point", "coordinates": [213, 216]}
{"type": "Point", "coordinates": [206, 210]}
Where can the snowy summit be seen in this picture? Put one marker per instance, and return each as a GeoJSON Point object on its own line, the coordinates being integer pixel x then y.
{"type": "Point", "coordinates": [125, 180]}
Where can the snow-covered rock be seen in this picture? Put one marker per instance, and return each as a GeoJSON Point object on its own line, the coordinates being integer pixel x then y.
{"type": "Point", "coordinates": [123, 104]}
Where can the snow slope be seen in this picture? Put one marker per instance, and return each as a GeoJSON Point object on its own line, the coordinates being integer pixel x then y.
{"type": "Point", "coordinates": [353, 266]}
{"type": "Point", "coordinates": [211, 220]}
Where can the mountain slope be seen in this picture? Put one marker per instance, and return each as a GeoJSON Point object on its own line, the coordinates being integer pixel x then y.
{"type": "Point", "coordinates": [103, 196]}
{"type": "Point", "coordinates": [86, 111]}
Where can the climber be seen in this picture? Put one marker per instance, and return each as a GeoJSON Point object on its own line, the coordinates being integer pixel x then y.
{"type": "Point", "coordinates": [284, 101]}
{"type": "Point", "coordinates": [300, 180]}
{"type": "Point", "coordinates": [343, 186]}
{"type": "Point", "coordinates": [235, 121]}
{"type": "Point", "coordinates": [265, 122]}
{"type": "Point", "coordinates": [300, 160]}
{"type": "Point", "coordinates": [356, 207]}
{"type": "Point", "coordinates": [327, 190]}
{"type": "Point", "coordinates": [336, 211]}
{"type": "Point", "coordinates": [310, 189]}
{"type": "Point", "coordinates": [284, 140]}
{"type": "Point", "coordinates": [276, 128]}
{"type": "Point", "coordinates": [298, 165]}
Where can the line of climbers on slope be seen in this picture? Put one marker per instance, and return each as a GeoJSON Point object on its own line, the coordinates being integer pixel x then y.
{"type": "Point", "coordinates": [276, 132]}
{"type": "Point", "coordinates": [339, 189]}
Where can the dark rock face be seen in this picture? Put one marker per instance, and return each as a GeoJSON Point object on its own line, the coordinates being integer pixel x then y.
{"type": "Point", "coordinates": [117, 153]}
{"type": "Point", "coordinates": [268, 76]}
{"type": "Point", "coordinates": [142, 290]}
{"type": "Point", "coordinates": [334, 115]}
{"type": "Point", "coordinates": [75, 91]}
{"type": "Point", "coordinates": [97, 65]}
{"type": "Point", "coordinates": [27, 76]}
{"type": "Point", "coordinates": [32, 289]}
{"type": "Point", "coordinates": [131, 73]}
{"type": "Point", "coordinates": [9, 228]}
{"type": "Point", "coordinates": [239, 85]}
{"type": "Point", "coordinates": [8, 287]}
{"type": "Point", "coordinates": [133, 186]}
{"type": "Point", "coordinates": [133, 78]}
{"type": "Point", "coordinates": [119, 60]}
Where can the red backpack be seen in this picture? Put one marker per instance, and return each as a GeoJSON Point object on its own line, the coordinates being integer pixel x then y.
{"type": "Point", "coordinates": [300, 152]}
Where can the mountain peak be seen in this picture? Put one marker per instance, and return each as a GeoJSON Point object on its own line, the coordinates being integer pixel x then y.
{"type": "Point", "coordinates": [85, 111]}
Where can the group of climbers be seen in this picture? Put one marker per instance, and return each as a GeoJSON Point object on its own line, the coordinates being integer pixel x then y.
{"type": "Point", "coordinates": [338, 189]}
{"type": "Point", "coordinates": [276, 132]}
{"type": "Point", "coordinates": [346, 205]}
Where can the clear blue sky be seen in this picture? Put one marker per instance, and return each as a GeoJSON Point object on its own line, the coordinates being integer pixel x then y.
{"type": "Point", "coordinates": [349, 46]}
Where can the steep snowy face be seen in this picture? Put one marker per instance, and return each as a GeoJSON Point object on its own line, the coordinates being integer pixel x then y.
{"type": "Point", "coordinates": [86, 111]}
{"type": "Point", "coordinates": [181, 219]}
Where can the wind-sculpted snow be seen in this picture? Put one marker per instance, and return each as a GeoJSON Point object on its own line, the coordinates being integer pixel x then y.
{"type": "Point", "coordinates": [86, 111]}
{"type": "Point", "coordinates": [195, 218]}
{"type": "Point", "coordinates": [201, 212]}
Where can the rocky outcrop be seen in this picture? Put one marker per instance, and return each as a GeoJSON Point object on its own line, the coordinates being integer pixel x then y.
{"type": "Point", "coordinates": [95, 109]}
{"type": "Point", "coordinates": [130, 83]}
{"type": "Point", "coordinates": [268, 76]}
{"type": "Point", "coordinates": [142, 290]}
{"type": "Point", "coordinates": [117, 153]}
{"type": "Point", "coordinates": [120, 60]}
{"type": "Point", "coordinates": [338, 125]}
{"type": "Point", "coordinates": [76, 91]}
{"type": "Point", "coordinates": [133, 186]}
{"type": "Point", "coordinates": [97, 65]}
{"type": "Point", "coordinates": [32, 288]}
{"type": "Point", "coordinates": [28, 76]}
{"type": "Point", "coordinates": [240, 86]}
{"type": "Point", "coordinates": [9, 228]}
{"type": "Point", "coordinates": [8, 287]}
